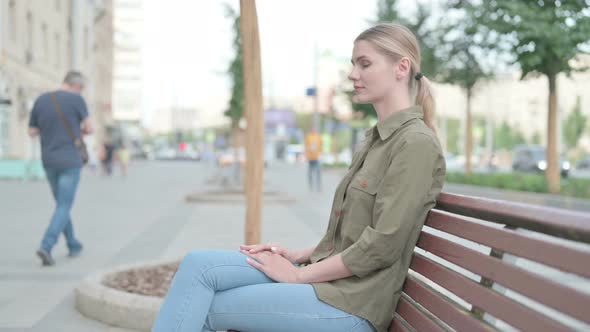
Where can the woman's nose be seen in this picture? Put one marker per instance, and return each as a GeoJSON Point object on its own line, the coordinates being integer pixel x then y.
{"type": "Point", "coordinates": [353, 76]}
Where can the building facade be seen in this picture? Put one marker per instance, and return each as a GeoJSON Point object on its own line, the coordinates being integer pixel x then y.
{"type": "Point", "coordinates": [39, 42]}
{"type": "Point", "coordinates": [127, 62]}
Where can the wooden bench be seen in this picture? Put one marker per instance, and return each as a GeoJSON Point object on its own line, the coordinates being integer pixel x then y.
{"type": "Point", "coordinates": [487, 265]}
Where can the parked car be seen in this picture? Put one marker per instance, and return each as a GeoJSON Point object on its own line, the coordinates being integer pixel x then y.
{"type": "Point", "coordinates": [584, 163]}
{"type": "Point", "coordinates": [533, 158]}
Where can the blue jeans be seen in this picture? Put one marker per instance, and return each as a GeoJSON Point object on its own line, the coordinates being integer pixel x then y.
{"type": "Point", "coordinates": [217, 290]}
{"type": "Point", "coordinates": [314, 170]}
{"type": "Point", "coordinates": [64, 183]}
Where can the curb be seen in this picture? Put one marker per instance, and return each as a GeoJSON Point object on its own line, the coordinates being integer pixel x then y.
{"type": "Point", "coordinates": [115, 307]}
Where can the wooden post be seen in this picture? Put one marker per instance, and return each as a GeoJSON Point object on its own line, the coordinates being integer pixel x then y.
{"type": "Point", "coordinates": [254, 119]}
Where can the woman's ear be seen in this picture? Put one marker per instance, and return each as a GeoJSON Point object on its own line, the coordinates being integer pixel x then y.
{"type": "Point", "coordinates": [404, 67]}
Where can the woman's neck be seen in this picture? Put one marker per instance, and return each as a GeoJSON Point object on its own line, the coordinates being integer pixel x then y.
{"type": "Point", "coordinates": [391, 104]}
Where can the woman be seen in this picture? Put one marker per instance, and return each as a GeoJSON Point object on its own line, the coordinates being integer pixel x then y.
{"type": "Point", "coordinates": [352, 279]}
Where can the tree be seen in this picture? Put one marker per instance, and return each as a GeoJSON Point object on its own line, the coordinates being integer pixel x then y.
{"type": "Point", "coordinates": [543, 36]}
{"type": "Point", "coordinates": [387, 13]}
{"type": "Point", "coordinates": [505, 137]}
{"type": "Point", "coordinates": [462, 67]}
{"type": "Point", "coordinates": [574, 125]}
{"type": "Point", "coordinates": [235, 71]}
{"type": "Point", "coordinates": [453, 135]}
{"type": "Point", "coordinates": [236, 103]}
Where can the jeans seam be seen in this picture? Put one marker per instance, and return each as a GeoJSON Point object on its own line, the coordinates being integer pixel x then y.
{"type": "Point", "coordinates": [187, 298]}
{"type": "Point", "coordinates": [355, 325]}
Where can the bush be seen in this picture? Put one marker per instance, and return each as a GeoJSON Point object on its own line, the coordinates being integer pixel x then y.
{"type": "Point", "coordinates": [521, 182]}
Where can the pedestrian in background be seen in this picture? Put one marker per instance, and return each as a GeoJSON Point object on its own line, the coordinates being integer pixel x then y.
{"type": "Point", "coordinates": [313, 149]}
{"type": "Point", "coordinates": [56, 116]}
{"type": "Point", "coordinates": [109, 154]}
{"type": "Point", "coordinates": [123, 157]}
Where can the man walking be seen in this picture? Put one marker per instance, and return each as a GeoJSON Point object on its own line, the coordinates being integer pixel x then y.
{"type": "Point", "coordinates": [313, 148]}
{"type": "Point", "coordinates": [52, 113]}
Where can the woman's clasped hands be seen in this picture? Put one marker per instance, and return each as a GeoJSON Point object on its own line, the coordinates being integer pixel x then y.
{"type": "Point", "coordinates": [273, 260]}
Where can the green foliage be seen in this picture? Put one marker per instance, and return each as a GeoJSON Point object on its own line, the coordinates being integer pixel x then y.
{"type": "Point", "coordinates": [574, 125]}
{"type": "Point", "coordinates": [536, 139]}
{"type": "Point", "coordinates": [453, 135]}
{"type": "Point", "coordinates": [521, 182]}
{"type": "Point", "coordinates": [542, 35]}
{"type": "Point", "coordinates": [461, 47]}
{"type": "Point", "coordinates": [304, 121]}
{"type": "Point", "coordinates": [505, 137]}
{"type": "Point", "coordinates": [387, 13]}
{"type": "Point", "coordinates": [236, 104]}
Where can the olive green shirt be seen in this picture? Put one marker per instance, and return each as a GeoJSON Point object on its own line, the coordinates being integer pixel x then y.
{"type": "Point", "coordinates": [378, 212]}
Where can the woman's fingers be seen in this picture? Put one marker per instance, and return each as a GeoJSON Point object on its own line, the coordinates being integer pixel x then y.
{"type": "Point", "coordinates": [255, 264]}
{"type": "Point", "coordinates": [255, 248]}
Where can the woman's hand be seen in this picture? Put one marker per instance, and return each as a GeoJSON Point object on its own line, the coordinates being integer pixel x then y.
{"type": "Point", "coordinates": [275, 266]}
{"type": "Point", "coordinates": [290, 255]}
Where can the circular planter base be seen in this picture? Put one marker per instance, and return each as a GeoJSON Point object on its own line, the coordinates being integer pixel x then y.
{"type": "Point", "coordinates": [116, 307]}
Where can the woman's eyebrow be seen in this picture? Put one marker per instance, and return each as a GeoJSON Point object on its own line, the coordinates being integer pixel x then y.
{"type": "Point", "coordinates": [357, 59]}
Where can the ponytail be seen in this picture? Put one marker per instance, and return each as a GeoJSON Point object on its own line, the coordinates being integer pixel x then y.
{"type": "Point", "coordinates": [425, 99]}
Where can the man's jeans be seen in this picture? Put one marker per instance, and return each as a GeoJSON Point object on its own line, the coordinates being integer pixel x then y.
{"type": "Point", "coordinates": [64, 183]}
{"type": "Point", "coordinates": [314, 171]}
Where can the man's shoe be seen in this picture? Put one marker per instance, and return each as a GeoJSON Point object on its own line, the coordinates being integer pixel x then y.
{"type": "Point", "coordinates": [75, 253]}
{"type": "Point", "coordinates": [46, 258]}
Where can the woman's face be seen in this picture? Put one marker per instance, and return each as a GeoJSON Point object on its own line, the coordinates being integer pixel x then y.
{"type": "Point", "coordinates": [373, 74]}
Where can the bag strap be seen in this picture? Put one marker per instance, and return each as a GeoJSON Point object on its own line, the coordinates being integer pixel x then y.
{"type": "Point", "coordinates": [63, 118]}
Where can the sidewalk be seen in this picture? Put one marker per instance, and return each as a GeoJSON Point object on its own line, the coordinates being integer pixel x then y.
{"type": "Point", "coordinates": [122, 221]}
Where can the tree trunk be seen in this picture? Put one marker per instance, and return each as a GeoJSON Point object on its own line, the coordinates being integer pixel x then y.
{"type": "Point", "coordinates": [254, 119]}
{"type": "Point", "coordinates": [468, 135]}
{"type": "Point", "coordinates": [552, 172]}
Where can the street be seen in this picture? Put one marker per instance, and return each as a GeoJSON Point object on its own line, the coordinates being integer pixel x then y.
{"type": "Point", "coordinates": [144, 217]}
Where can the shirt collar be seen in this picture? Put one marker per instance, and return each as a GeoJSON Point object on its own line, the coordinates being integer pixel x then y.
{"type": "Point", "coordinates": [392, 123]}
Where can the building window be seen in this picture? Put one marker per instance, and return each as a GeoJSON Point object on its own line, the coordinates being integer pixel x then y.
{"type": "Point", "coordinates": [12, 20]}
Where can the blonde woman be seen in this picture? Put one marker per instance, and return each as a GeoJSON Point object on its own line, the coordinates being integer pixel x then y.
{"type": "Point", "coordinates": [352, 279]}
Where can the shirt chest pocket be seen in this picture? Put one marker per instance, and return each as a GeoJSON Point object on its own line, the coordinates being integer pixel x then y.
{"type": "Point", "coordinates": [364, 184]}
{"type": "Point", "coordinates": [360, 199]}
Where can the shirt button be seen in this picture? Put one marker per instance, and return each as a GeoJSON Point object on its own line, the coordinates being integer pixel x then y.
{"type": "Point", "coordinates": [337, 213]}
{"type": "Point", "coordinates": [364, 184]}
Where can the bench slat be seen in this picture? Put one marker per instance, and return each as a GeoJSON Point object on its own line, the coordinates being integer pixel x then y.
{"type": "Point", "coordinates": [523, 245]}
{"type": "Point", "coordinates": [451, 314]}
{"type": "Point", "coordinates": [567, 224]}
{"type": "Point", "coordinates": [416, 318]}
{"type": "Point", "coordinates": [397, 326]}
{"type": "Point", "coordinates": [501, 307]}
{"type": "Point", "coordinates": [548, 292]}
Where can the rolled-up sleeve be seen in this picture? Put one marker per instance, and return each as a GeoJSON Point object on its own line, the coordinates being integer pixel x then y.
{"type": "Point", "coordinates": [401, 201]}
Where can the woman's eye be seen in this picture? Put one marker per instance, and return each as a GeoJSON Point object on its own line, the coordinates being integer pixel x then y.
{"type": "Point", "coordinates": [365, 65]}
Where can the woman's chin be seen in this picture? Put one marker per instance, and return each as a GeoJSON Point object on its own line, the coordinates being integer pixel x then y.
{"type": "Point", "coordinates": [358, 99]}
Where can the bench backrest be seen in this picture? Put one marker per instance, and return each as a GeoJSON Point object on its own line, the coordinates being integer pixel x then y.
{"type": "Point", "coordinates": [486, 265]}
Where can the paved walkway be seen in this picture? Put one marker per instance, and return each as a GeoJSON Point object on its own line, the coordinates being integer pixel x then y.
{"type": "Point", "coordinates": [125, 220]}
{"type": "Point", "coordinates": [140, 218]}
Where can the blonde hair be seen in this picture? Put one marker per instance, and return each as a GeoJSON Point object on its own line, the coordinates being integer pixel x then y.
{"type": "Point", "coordinates": [397, 41]}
